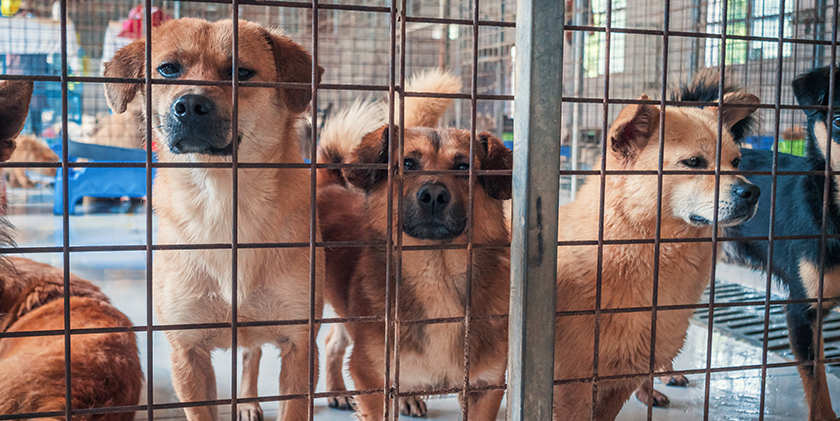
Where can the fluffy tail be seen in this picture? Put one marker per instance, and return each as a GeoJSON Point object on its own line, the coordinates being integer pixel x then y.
{"type": "Point", "coordinates": [343, 131]}
{"type": "Point", "coordinates": [704, 87]}
{"type": "Point", "coordinates": [425, 112]}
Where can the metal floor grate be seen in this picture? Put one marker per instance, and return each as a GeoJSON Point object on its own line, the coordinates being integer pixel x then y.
{"type": "Point", "coordinates": [747, 322]}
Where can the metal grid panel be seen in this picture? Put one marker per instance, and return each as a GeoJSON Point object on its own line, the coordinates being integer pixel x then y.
{"type": "Point", "coordinates": [675, 40]}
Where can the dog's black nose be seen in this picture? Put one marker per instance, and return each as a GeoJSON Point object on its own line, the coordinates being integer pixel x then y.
{"type": "Point", "coordinates": [748, 192]}
{"type": "Point", "coordinates": [433, 197]}
{"type": "Point", "coordinates": [193, 108]}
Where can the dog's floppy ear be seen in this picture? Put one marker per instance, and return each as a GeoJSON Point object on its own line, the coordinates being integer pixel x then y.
{"type": "Point", "coordinates": [372, 150]}
{"type": "Point", "coordinates": [631, 129]}
{"type": "Point", "coordinates": [496, 157]}
{"type": "Point", "coordinates": [812, 88]}
{"type": "Point", "coordinates": [128, 62]}
{"type": "Point", "coordinates": [14, 106]}
{"type": "Point", "coordinates": [294, 64]}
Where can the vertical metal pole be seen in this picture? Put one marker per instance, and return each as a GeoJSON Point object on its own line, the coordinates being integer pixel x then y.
{"type": "Point", "coordinates": [697, 18]}
{"type": "Point", "coordinates": [499, 106]}
{"type": "Point", "coordinates": [577, 109]}
{"type": "Point", "coordinates": [536, 184]}
{"type": "Point", "coordinates": [819, 31]}
{"type": "Point", "coordinates": [443, 59]}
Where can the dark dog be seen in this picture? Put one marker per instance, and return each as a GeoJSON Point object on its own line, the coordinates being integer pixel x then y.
{"type": "Point", "coordinates": [14, 106]}
{"type": "Point", "coordinates": [353, 206]}
{"type": "Point", "coordinates": [799, 207]}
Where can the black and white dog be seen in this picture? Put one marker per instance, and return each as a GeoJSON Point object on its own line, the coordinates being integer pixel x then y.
{"type": "Point", "coordinates": [799, 212]}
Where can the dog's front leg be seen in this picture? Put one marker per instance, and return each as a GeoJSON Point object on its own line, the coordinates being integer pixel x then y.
{"type": "Point", "coordinates": [336, 343]}
{"type": "Point", "coordinates": [250, 411]}
{"type": "Point", "coordinates": [194, 380]}
{"type": "Point", "coordinates": [484, 405]}
{"type": "Point", "coordinates": [294, 378]}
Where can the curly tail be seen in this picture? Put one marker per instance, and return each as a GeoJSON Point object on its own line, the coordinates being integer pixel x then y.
{"type": "Point", "coordinates": [343, 131]}
{"type": "Point", "coordinates": [425, 112]}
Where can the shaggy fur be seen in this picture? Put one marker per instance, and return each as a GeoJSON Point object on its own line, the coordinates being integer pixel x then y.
{"type": "Point", "coordinates": [195, 205]}
{"type": "Point", "coordinates": [630, 205]}
{"type": "Point", "coordinates": [352, 206]}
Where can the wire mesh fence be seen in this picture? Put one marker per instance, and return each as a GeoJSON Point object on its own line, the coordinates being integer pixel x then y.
{"type": "Point", "coordinates": [126, 216]}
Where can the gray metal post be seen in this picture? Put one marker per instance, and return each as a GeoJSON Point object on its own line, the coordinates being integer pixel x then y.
{"type": "Point", "coordinates": [577, 109]}
{"type": "Point", "coordinates": [819, 31]}
{"type": "Point", "coordinates": [536, 184]}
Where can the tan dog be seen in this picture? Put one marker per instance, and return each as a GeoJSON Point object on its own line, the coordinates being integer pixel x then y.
{"type": "Point", "coordinates": [192, 124]}
{"type": "Point", "coordinates": [630, 213]}
{"type": "Point", "coordinates": [124, 130]}
{"type": "Point", "coordinates": [352, 206]}
{"type": "Point", "coordinates": [30, 149]}
{"type": "Point", "coordinates": [105, 368]}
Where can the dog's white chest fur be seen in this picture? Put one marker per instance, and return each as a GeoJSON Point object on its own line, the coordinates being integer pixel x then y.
{"type": "Point", "coordinates": [439, 281]}
{"type": "Point", "coordinates": [196, 286]}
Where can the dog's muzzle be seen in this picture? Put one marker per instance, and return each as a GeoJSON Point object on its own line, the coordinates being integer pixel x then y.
{"type": "Point", "coordinates": [195, 126]}
{"type": "Point", "coordinates": [740, 207]}
{"type": "Point", "coordinates": [433, 215]}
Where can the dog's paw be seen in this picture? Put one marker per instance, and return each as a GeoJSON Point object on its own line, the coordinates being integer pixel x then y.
{"type": "Point", "coordinates": [249, 412]}
{"type": "Point", "coordinates": [677, 380]}
{"type": "Point", "coordinates": [652, 397]}
{"type": "Point", "coordinates": [413, 406]}
{"type": "Point", "coordinates": [340, 402]}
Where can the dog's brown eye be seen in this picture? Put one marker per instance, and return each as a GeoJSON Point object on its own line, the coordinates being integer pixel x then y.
{"type": "Point", "coordinates": [169, 70]}
{"type": "Point", "coordinates": [242, 73]}
{"type": "Point", "coordinates": [245, 74]}
{"type": "Point", "coordinates": [462, 166]}
{"type": "Point", "coordinates": [410, 164]}
{"type": "Point", "coordinates": [736, 162]}
{"type": "Point", "coordinates": [695, 162]}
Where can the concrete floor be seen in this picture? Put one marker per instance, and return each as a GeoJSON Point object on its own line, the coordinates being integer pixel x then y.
{"type": "Point", "coordinates": [121, 275]}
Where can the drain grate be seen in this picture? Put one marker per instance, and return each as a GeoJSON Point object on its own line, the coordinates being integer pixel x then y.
{"type": "Point", "coordinates": [747, 322]}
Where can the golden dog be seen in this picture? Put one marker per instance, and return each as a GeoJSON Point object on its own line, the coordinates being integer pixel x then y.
{"type": "Point", "coordinates": [630, 209]}
{"type": "Point", "coordinates": [193, 124]}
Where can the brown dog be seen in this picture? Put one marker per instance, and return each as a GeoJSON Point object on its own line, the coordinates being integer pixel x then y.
{"type": "Point", "coordinates": [352, 206]}
{"type": "Point", "coordinates": [105, 367]}
{"type": "Point", "coordinates": [30, 149]}
{"type": "Point", "coordinates": [192, 124]}
{"type": "Point", "coordinates": [627, 276]}
{"type": "Point", "coordinates": [14, 107]}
